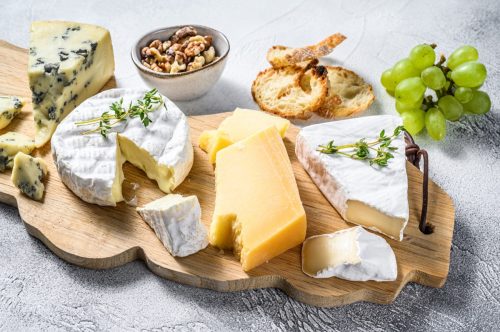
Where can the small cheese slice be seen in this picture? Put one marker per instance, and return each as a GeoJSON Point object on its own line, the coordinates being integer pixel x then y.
{"type": "Point", "coordinates": [176, 221]}
{"type": "Point", "coordinates": [10, 107]}
{"type": "Point", "coordinates": [68, 62]}
{"type": "Point", "coordinates": [371, 196]}
{"type": "Point", "coordinates": [352, 254]}
{"type": "Point", "coordinates": [28, 174]}
{"type": "Point", "coordinates": [241, 124]}
{"type": "Point", "coordinates": [10, 144]}
{"type": "Point", "coordinates": [258, 212]}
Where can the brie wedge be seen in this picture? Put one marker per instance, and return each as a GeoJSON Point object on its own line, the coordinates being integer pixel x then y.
{"type": "Point", "coordinates": [91, 165]}
{"type": "Point", "coordinates": [371, 196]}
{"type": "Point", "coordinates": [176, 221]}
{"type": "Point", "coordinates": [9, 109]}
{"type": "Point", "coordinates": [68, 62]}
{"type": "Point", "coordinates": [352, 254]}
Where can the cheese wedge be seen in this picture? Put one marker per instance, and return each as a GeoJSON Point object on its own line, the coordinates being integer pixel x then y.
{"type": "Point", "coordinates": [241, 124]}
{"type": "Point", "coordinates": [68, 62]}
{"type": "Point", "coordinates": [371, 196]}
{"type": "Point", "coordinates": [258, 212]}
{"type": "Point", "coordinates": [352, 254]}
{"type": "Point", "coordinates": [10, 107]}
{"type": "Point", "coordinates": [10, 144]}
{"type": "Point", "coordinates": [28, 174]}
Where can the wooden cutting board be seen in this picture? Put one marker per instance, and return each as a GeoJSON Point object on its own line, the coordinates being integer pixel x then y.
{"type": "Point", "coordinates": [104, 237]}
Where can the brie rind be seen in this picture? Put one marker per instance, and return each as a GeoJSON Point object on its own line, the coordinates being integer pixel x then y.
{"type": "Point", "coordinates": [91, 165]}
{"type": "Point", "coordinates": [352, 254]}
{"type": "Point", "coordinates": [368, 195]}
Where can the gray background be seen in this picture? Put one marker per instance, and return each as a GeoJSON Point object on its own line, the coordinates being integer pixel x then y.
{"type": "Point", "coordinates": [40, 291]}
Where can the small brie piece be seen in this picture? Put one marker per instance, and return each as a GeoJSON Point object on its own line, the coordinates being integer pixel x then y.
{"type": "Point", "coordinates": [10, 107]}
{"type": "Point", "coordinates": [91, 165]}
{"type": "Point", "coordinates": [10, 144]}
{"type": "Point", "coordinates": [176, 221]}
{"type": "Point", "coordinates": [352, 254]}
{"type": "Point", "coordinates": [368, 195]}
{"type": "Point", "coordinates": [28, 173]}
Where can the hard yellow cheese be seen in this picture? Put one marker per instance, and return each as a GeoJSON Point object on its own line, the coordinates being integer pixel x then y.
{"type": "Point", "coordinates": [258, 212]}
{"type": "Point", "coordinates": [241, 124]}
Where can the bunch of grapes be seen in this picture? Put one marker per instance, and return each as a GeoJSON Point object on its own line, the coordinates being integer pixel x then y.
{"type": "Point", "coordinates": [452, 86]}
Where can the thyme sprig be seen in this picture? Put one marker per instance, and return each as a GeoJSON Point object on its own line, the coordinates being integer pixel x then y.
{"type": "Point", "coordinates": [119, 113]}
{"type": "Point", "coordinates": [361, 149]}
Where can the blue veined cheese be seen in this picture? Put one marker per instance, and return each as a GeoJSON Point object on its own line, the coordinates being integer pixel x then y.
{"type": "Point", "coordinates": [176, 221]}
{"type": "Point", "coordinates": [371, 196]}
{"type": "Point", "coordinates": [10, 144]}
{"type": "Point", "coordinates": [28, 174]}
{"type": "Point", "coordinates": [68, 62]}
{"type": "Point", "coordinates": [91, 165]}
{"type": "Point", "coordinates": [352, 254]}
{"type": "Point", "coordinates": [10, 107]}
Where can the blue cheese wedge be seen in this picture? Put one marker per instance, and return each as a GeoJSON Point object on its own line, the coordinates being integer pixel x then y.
{"type": "Point", "coordinates": [10, 144]}
{"type": "Point", "coordinates": [91, 165]}
{"type": "Point", "coordinates": [68, 62]}
{"type": "Point", "coordinates": [10, 107]}
{"type": "Point", "coordinates": [176, 221]}
{"type": "Point", "coordinates": [352, 254]}
{"type": "Point", "coordinates": [368, 195]}
{"type": "Point", "coordinates": [28, 174]}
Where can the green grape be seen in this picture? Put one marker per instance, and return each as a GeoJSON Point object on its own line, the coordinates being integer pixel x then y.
{"type": "Point", "coordinates": [433, 77]}
{"type": "Point", "coordinates": [469, 74]}
{"type": "Point", "coordinates": [451, 107]}
{"type": "Point", "coordinates": [402, 107]}
{"type": "Point", "coordinates": [410, 90]}
{"type": "Point", "coordinates": [479, 104]}
{"type": "Point", "coordinates": [422, 56]}
{"type": "Point", "coordinates": [414, 121]}
{"type": "Point", "coordinates": [404, 69]}
{"type": "Point", "coordinates": [463, 95]}
{"type": "Point", "coordinates": [462, 54]}
{"type": "Point", "coordinates": [435, 123]}
{"type": "Point", "coordinates": [388, 80]}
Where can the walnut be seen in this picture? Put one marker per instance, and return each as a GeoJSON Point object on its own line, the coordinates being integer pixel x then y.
{"type": "Point", "coordinates": [209, 54]}
{"type": "Point", "coordinates": [195, 47]}
{"type": "Point", "coordinates": [180, 57]}
{"type": "Point", "coordinates": [197, 63]}
{"type": "Point", "coordinates": [176, 67]}
{"type": "Point", "coordinates": [183, 32]}
{"type": "Point", "coordinates": [166, 66]}
{"type": "Point", "coordinates": [156, 44]}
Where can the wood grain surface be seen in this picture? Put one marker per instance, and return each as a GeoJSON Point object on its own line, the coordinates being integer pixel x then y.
{"type": "Point", "coordinates": [104, 237]}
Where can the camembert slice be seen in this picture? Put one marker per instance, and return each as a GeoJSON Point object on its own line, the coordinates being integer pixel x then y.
{"type": "Point", "coordinates": [10, 144]}
{"type": "Point", "coordinates": [28, 174]}
{"type": "Point", "coordinates": [10, 107]}
{"type": "Point", "coordinates": [241, 124]}
{"type": "Point", "coordinates": [258, 212]}
{"type": "Point", "coordinates": [371, 196]}
{"type": "Point", "coordinates": [352, 254]}
{"type": "Point", "coordinates": [68, 62]}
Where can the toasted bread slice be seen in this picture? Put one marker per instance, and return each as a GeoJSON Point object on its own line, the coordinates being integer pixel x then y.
{"type": "Point", "coordinates": [282, 56]}
{"type": "Point", "coordinates": [293, 92]}
{"type": "Point", "coordinates": [348, 94]}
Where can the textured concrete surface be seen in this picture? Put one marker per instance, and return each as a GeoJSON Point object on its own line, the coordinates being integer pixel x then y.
{"type": "Point", "coordinates": [38, 291]}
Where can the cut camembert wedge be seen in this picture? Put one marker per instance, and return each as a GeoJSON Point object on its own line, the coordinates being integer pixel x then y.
{"type": "Point", "coordinates": [371, 196]}
{"type": "Point", "coordinates": [241, 124]}
{"type": "Point", "coordinates": [258, 212]}
{"type": "Point", "coordinates": [91, 165]}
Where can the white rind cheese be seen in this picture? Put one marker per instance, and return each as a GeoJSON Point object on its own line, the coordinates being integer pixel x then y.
{"type": "Point", "coordinates": [10, 107]}
{"type": "Point", "coordinates": [176, 221]}
{"type": "Point", "coordinates": [10, 144]}
{"type": "Point", "coordinates": [28, 174]}
{"type": "Point", "coordinates": [68, 62]}
{"type": "Point", "coordinates": [352, 254]}
{"type": "Point", "coordinates": [91, 165]}
{"type": "Point", "coordinates": [372, 196]}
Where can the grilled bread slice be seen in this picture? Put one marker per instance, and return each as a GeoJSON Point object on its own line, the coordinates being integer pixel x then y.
{"type": "Point", "coordinates": [282, 56]}
{"type": "Point", "coordinates": [293, 92]}
{"type": "Point", "coordinates": [348, 94]}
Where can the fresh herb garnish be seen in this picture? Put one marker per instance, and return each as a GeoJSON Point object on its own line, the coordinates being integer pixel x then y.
{"type": "Point", "coordinates": [119, 113]}
{"type": "Point", "coordinates": [361, 149]}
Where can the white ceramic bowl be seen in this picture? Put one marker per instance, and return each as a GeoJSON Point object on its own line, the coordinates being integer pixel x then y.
{"type": "Point", "coordinates": [188, 85]}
